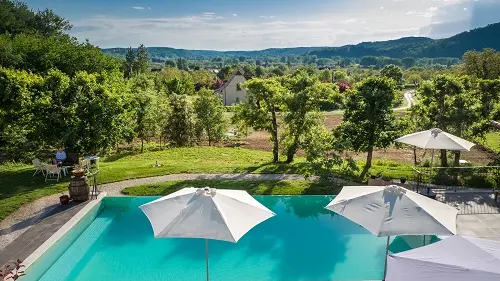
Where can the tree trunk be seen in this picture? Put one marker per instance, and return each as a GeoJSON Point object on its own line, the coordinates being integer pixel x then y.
{"type": "Point", "coordinates": [457, 159]}
{"type": "Point", "coordinates": [142, 145]}
{"type": "Point", "coordinates": [290, 153]}
{"type": "Point", "coordinates": [415, 156]}
{"type": "Point", "coordinates": [444, 158]}
{"type": "Point", "coordinates": [209, 137]}
{"type": "Point", "coordinates": [274, 136]}
{"type": "Point", "coordinates": [368, 164]}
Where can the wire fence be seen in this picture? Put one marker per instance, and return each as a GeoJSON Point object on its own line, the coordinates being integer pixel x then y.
{"type": "Point", "coordinates": [456, 178]}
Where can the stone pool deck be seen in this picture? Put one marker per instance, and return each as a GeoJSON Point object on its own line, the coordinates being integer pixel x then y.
{"type": "Point", "coordinates": [25, 230]}
{"type": "Point", "coordinates": [39, 232]}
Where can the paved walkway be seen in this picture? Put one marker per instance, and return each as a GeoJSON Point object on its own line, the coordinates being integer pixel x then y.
{"type": "Point", "coordinates": [21, 220]}
{"type": "Point", "coordinates": [114, 189]}
{"type": "Point", "coordinates": [485, 226]}
{"type": "Point", "coordinates": [34, 236]}
{"type": "Point", "coordinates": [472, 202]}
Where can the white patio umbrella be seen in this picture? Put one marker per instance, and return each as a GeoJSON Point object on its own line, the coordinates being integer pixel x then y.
{"type": "Point", "coordinates": [394, 210]}
{"type": "Point", "coordinates": [436, 139]}
{"type": "Point", "coordinates": [206, 213]}
{"type": "Point", "coordinates": [452, 259]}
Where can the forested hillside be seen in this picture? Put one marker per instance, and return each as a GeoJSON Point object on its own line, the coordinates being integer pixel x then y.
{"type": "Point", "coordinates": [415, 47]}
{"type": "Point", "coordinates": [419, 47]}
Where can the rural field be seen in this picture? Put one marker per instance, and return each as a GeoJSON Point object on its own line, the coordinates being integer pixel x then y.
{"type": "Point", "coordinates": [483, 154]}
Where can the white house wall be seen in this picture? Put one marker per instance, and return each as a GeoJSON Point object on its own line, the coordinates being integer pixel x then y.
{"type": "Point", "coordinates": [231, 95]}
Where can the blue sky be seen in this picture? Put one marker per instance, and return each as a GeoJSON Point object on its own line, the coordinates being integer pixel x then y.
{"type": "Point", "coordinates": [259, 24]}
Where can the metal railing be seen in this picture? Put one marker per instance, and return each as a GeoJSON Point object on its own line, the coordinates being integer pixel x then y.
{"type": "Point", "coordinates": [456, 178]}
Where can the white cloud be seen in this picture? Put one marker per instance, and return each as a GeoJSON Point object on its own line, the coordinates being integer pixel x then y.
{"type": "Point", "coordinates": [354, 23]}
{"type": "Point", "coordinates": [348, 21]}
{"type": "Point", "coordinates": [138, 8]}
{"type": "Point", "coordinates": [381, 8]}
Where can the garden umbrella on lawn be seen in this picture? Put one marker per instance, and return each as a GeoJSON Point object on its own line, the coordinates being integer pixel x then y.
{"type": "Point", "coordinates": [393, 210]}
{"type": "Point", "coordinates": [436, 139]}
{"type": "Point", "coordinates": [452, 259]}
{"type": "Point", "coordinates": [206, 213]}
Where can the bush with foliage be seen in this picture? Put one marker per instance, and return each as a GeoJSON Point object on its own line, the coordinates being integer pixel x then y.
{"type": "Point", "coordinates": [180, 126]}
{"type": "Point", "coordinates": [210, 122]}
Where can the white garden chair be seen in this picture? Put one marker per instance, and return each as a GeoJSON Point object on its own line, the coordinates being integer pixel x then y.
{"type": "Point", "coordinates": [38, 167]}
{"type": "Point", "coordinates": [52, 172]}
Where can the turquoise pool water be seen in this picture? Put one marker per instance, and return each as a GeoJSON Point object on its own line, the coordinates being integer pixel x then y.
{"type": "Point", "coordinates": [303, 241]}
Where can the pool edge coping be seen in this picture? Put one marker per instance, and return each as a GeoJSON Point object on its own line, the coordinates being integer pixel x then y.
{"type": "Point", "coordinates": [49, 243]}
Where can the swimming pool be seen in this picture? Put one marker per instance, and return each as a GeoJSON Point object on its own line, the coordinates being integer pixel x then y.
{"type": "Point", "coordinates": [303, 241]}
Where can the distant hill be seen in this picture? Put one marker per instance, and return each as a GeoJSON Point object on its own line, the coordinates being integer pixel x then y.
{"type": "Point", "coordinates": [421, 47]}
{"type": "Point", "coordinates": [165, 53]}
{"type": "Point", "coordinates": [417, 47]}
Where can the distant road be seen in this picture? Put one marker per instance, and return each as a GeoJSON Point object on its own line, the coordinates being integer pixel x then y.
{"type": "Point", "coordinates": [409, 101]}
{"type": "Point", "coordinates": [408, 97]}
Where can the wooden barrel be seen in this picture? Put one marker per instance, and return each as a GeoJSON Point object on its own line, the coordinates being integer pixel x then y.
{"type": "Point", "coordinates": [79, 188]}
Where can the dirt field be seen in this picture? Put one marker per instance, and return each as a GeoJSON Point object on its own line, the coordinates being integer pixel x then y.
{"type": "Point", "coordinates": [477, 156]}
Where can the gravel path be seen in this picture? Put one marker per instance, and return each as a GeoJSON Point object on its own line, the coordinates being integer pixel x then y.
{"type": "Point", "coordinates": [21, 220]}
{"type": "Point", "coordinates": [115, 188]}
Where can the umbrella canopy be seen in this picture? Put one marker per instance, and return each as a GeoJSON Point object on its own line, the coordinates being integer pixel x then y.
{"type": "Point", "coordinates": [394, 210]}
{"type": "Point", "coordinates": [455, 259]}
{"type": "Point", "coordinates": [436, 139]}
{"type": "Point", "coordinates": [205, 213]}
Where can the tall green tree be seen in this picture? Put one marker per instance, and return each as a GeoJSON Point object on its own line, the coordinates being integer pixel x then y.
{"type": "Point", "coordinates": [485, 65]}
{"type": "Point", "coordinates": [339, 76]}
{"type": "Point", "coordinates": [448, 103]}
{"type": "Point", "coordinates": [40, 53]}
{"type": "Point", "coordinates": [17, 18]}
{"type": "Point", "coordinates": [369, 120]}
{"type": "Point", "coordinates": [47, 22]}
{"type": "Point", "coordinates": [408, 62]}
{"type": "Point", "coordinates": [179, 129]}
{"type": "Point", "coordinates": [210, 121]}
{"type": "Point", "coordinates": [141, 64]}
{"type": "Point", "coordinates": [170, 63]}
{"type": "Point", "coordinates": [129, 63]}
{"type": "Point", "coordinates": [414, 79]}
{"type": "Point", "coordinates": [182, 64]}
{"type": "Point", "coordinates": [325, 76]}
{"type": "Point", "coordinates": [260, 71]}
{"type": "Point", "coordinates": [305, 93]}
{"type": "Point", "coordinates": [265, 99]}
{"type": "Point", "coordinates": [488, 92]}
{"type": "Point", "coordinates": [147, 125]}
{"type": "Point", "coordinates": [395, 73]}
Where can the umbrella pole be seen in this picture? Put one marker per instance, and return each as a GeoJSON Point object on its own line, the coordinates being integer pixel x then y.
{"type": "Point", "coordinates": [386, 256]}
{"type": "Point", "coordinates": [206, 256]}
{"type": "Point", "coordinates": [430, 172]}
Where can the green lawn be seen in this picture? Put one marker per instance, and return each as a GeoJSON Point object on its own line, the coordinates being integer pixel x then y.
{"type": "Point", "coordinates": [253, 187]}
{"type": "Point", "coordinates": [18, 187]}
{"type": "Point", "coordinates": [492, 141]}
{"type": "Point", "coordinates": [389, 169]}
{"type": "Point", "coordinates": [193, 160]}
